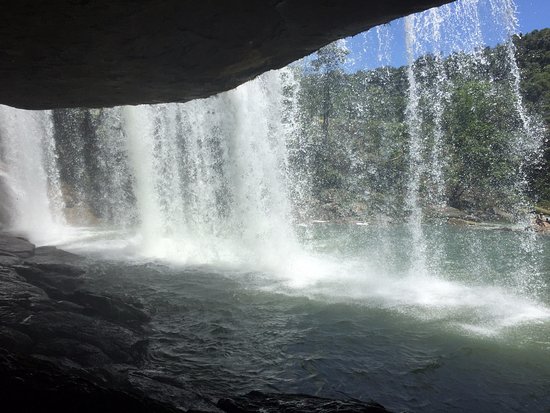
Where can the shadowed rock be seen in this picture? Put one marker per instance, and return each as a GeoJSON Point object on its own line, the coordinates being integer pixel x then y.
{"type": "Point", "coordinates": [58, 284]}
{"type": "Point", "coordinates": [110, 308]}
{"type": "Point", "coordinates": [14, 340]}
{"type": "Point", "coordinates": [32, 385]}
{"type": "Point", "coordinates": [104, 53]}
{"type": "Point", "coordinates": [119, 343]}
{"type": "Point", "coordinates": [15, 246]}
{"type": "Point", "coordinates": [295, 403]}
{"type": "Point", "coordinates": [52, 259]}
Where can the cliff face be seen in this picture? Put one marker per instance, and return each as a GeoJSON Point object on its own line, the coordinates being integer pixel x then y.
{"type": "Point", "coordinates": [71, 53]}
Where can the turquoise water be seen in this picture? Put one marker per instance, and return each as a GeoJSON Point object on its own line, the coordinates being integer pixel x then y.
{"type": "Point", "coordinates": [349, 320]}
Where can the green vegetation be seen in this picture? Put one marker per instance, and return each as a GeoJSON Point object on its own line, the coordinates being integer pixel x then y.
{"type": "Point", "coordinates": [534, 59]}
{"type": "Point", "coordinates": [353, 140]}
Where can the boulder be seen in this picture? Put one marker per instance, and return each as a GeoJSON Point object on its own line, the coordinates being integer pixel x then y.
{"type": "Point", "coordinates": [170, 391]}
{"type": "Point", "coordinates": [9, 260]}
{"type": "Point", "coordinates": [56, 271]}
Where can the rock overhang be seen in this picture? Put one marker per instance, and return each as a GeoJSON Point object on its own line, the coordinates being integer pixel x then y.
{"type": "Point", "coordinates": [82, 53]}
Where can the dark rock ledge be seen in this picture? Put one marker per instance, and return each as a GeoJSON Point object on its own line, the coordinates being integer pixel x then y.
{"type": "Point", "coordinates": [66, 349]}
{"type": "Point", "coordinates": [82, 53]}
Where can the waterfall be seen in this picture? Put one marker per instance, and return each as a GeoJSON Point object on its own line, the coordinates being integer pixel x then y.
{"type": "Point", "coordinates": [525, 147]}
{"type": "Point", "coordinates": [416, 164]}
{"type": "Point", "coordinates": [229, 202]}
{"type": "Point", "coordinates": [114, 196]}
{"type": "Point", "coordinates": [29, 168]}
{"type": "Point", "coordinates": [223, 180]}
{"type": "Point", "coordinates": [202, 182]}
{"type": "Point", "coordinates": [139, 129]}
{"type": "Point", "coordinates": [429, 36]}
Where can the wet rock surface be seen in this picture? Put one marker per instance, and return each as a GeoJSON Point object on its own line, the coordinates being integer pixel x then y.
{"type": "Point", "coordinates": [30, 384]}
{"type": "Point", "coordinates": [294, 403]}
{"type": "Point", "coordinates": [13, 246]}
{"type": "Point", "coordinates": [75, 349]}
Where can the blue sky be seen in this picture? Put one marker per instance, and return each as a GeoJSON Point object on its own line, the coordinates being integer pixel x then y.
{"type": "Point", "coordinates": [533, 14]}
{"type": "Point", "coordinates": [368, 52]}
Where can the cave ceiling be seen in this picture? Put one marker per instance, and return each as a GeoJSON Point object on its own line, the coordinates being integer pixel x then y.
{"type": "Point", "coordinates": [79, 53]}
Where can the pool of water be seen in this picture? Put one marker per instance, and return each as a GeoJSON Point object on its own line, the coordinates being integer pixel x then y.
{"type": "Point", "coordinates": [345, 317]}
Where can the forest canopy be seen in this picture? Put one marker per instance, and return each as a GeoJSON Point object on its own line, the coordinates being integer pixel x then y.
{"type": "Point", "coordinates": [353, 140]}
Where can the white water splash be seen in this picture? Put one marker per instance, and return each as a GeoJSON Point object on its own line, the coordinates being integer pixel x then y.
{"type": "Point", "coordinates": [29, 158]}
{"type": "Point", "coordinates": [210, 176]}
{"type": "Point", "coordinates": [416, 164]}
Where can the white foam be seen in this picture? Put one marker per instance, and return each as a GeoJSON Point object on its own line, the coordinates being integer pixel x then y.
{"type": "Point", "coordinates": [481, 309]}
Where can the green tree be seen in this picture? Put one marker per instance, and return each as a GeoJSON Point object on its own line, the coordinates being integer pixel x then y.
{"type": "Point", "coordinates": [534, 59]}
{"type": "Point", "coordinates": [480, 124]}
